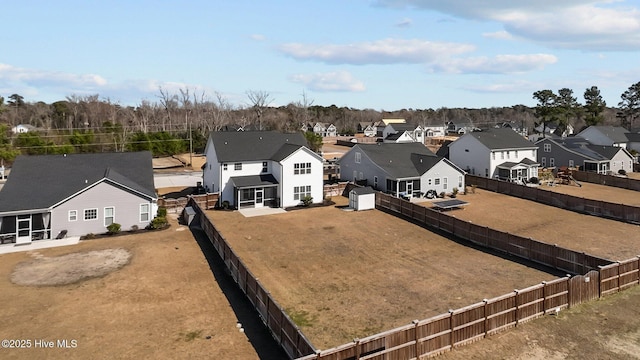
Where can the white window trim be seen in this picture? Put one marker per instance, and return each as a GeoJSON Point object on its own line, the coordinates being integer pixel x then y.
{"type": "Point", "coordinates": [148, 212]}
{"type": "Point", "coordinates": [84, 214]}
{"type": "Point", "coordinates": [75, 215]}
{"type": "Point", "coordinates": [113, 216]}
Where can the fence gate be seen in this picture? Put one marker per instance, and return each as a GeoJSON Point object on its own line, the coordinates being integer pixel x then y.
{"type": "Point", "coordinates": [584, 288]}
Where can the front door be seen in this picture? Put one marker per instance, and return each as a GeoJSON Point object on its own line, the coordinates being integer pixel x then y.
{"type": "Point", "coordinates": [259, 197]}
{"type": "Point", "coordinates": [24, 229]}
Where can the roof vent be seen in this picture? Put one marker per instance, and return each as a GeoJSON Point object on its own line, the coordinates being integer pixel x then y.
{"type": "Point", "coordinates": [225, 143]}
{"type": "Point", "coordinates": [260, 137]}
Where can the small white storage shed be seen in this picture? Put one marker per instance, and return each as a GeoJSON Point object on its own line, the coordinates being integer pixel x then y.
{"type": "Point", "coordinates": [362, 198]}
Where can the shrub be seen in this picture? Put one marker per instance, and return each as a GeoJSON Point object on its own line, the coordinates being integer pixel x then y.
{"type": "Point", "coordinates": [533, 180]}
{"type": "Point", "coordinates": [113, 228]}
{"type": "Point", "coordinates": [134, 228]}
{"type": "Point", "coordinates": [307, 200]}
{"type": "Point", "coordinates": [162, 212]}
{"type": "Point", "coordinates": [622, 172]}
{"type": "Point", "coordinates": [441, 195]}
{"type": "Point", "coordinates": [454, 192]}
{"type": "Point", "coordinates": [158, 222]}
{"type": "Point", "coordinates": [225, 204]}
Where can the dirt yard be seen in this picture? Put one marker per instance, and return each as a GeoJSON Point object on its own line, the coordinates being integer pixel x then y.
{"type": "Point", "coordinates": [608, 328]}
{"type": "Point", "coordinates": [610, 239]}
{"type": "Point", "coordinates": [163, 303]}
{"type": "Point", "coordinates": [342, 275]}
{"type": "Point", "coordinates": [598, 192]}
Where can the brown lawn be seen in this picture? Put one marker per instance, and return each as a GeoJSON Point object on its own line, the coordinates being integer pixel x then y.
{"type": "Point", "coordinates": [598, 192]}
{"type": "Point", "coordinates": [163, 304]}
{"type": "Point", "coordinates": [610, 239]}
{"type": "Point", "coordinates": [342, 275]}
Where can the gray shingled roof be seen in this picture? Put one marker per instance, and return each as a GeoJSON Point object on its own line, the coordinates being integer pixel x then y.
{"type": "Point", "coordinates": [399, 160]}
{"type": "Point", "coordinates": [363, 190]}
{"type": "Point", "coordinates": [502, 138]}
{"type": "Point", "coordinates": [633, 137]}
{"type": "Point", "coordinates": [615, 133]}
{"type": "Point", "coordinates": [255, 145]}
{"type": "Point", "coordinates": [41, 181]}
{"type": "Point", "coordinates": [583, 147]}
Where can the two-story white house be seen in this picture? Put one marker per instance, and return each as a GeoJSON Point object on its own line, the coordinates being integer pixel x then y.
{"type": "Point", "coordinates": [496, 153]}
{"type": "Point", "coordinates": [262, 168]}
{"type": "Point", "coordinates": [325, 129]}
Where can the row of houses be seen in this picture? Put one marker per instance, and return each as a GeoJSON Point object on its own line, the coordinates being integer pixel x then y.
{"type": "Point", "coordinates": [263, 168]}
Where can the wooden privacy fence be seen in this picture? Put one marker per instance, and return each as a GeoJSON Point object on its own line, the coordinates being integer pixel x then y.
{"type": "Point", "coordinates": [423, 338]}
{"type": "Point", "coordinates": [282, 328]}
{"type": "Point", "coordinates": [609, 180]}
{"type": "Point", "coordinates": [605, 209]}
{"type": "Point", "coordinates": [206, 201]}
{"type": "Point", "coordinates": [553, 256]}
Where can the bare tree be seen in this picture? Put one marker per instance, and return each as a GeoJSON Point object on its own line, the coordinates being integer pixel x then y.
{"type": "Point", "coordinates": [259, 100]}
{"type": "Point", "coordinates": [169, 102]}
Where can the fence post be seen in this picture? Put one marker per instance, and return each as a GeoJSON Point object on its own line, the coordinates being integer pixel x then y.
{"type": "Point", "coordinates": [486, 320]}
{"type": "Point", "coordinates": [356, 341]}
{"type": "Point", "coordinates": [417, 338]}
{"type": "Point", "coordinates": [544, 298]}
{"type": "Point", "coordinates": [517, 306]}
{"type": "Point", "coordinates": [568, 291]}
{"type": "Point", "coordinates": [451, 337]}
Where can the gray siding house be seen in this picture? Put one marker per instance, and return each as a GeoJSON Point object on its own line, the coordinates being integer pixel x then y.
{"type": "Point", "coordinates": [53, 196]}
{"type": "Point", "coordinates": [402, 169]}
{"type": "Point", "coordinates": [578, 152]}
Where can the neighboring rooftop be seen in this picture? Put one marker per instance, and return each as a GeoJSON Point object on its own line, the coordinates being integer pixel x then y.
{"type": "Point", "coordinates": [502, 138]}
{"type": "Point", "coordinates": [255, 145]}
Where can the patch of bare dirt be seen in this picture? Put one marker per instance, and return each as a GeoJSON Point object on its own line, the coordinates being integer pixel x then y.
{"type": "Point", "coordinates": [69, 269]}
{"type": "Point", "coordinates": [342, 275]}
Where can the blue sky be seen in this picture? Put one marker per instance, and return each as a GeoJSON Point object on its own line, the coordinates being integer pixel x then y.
{"type": "Point", "coordinates": [382, 54]}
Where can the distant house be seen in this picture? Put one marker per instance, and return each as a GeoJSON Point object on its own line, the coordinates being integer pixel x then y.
{"type": "Point", "coordinates": [50, 196]}
{"type": "Point", "coordinates": [633, 142]}
{"type": "Point", "coordinates": [407, 169]}
{"type": "Point", "coordinates": [431, 131]}
{"type": "Point", "coordinates": [22, 128]}
{"type": "Point", "coordinates": [496, 153]}
{"type": "Point", "coordinates": [368, 129]}
{"type": "Point", "coordinates": [262, 168]}
{"type": "Point", "coordinates": [459, 128]}
{"type": "Point", "coordinates": [578, 152]}
{"type": "Point", "coordinates": [325, 129]}
{"type": "Point", "coordinates": [605, 135]}
{"type": "Point", "coordinates": [401, 132]}
{"type": "Point", "coordinates": [550, 129]}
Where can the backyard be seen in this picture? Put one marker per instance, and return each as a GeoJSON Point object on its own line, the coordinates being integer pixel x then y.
{"type": "Point", "coordinates": [342, 275]}
{"type": "Point", "coordinates": [159, 300]}
{"type": "Point", "coordinates": [597, 236]}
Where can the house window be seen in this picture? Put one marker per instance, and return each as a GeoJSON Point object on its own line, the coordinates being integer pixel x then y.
{"type": "Point", "coordinates": [508, 156]}
{"type": "Point", "coordinates": [444, 183]}
{"type": "Point", "coordinates": [360, 177]}
{"type": "Point", "coordinates": [90, 214]}
{"type": "Point", "coordinates": [144, 212]}
{"type": "Point", "coordinates": [237, 166]}
{"type": "Point", "coordinates": [302, 168]}
{"type": "Point", "coordinates": [358, 158]}
{"type": "Point", "coordinates": [265, 167]}
{"type": "Point", "coordinates": [375, 182]}
{"type": "Point", "coordinates": [552, 162]}
{"type": "Point", "coordinates": [460, 182]}
{"type": "Point", "coordinates": [571, 163]}
{"type": "Point", "coordinates": [436, 181]}
{"type": "Point", "coordinates": [515, 152]}
{"type": "Point", "coordinates": [486, 172]}
{"type": "Point", "coordinates": [299, 192]}
{"type": "Point", "coordinates": [73, 215]}
{"type": "Point", "coordinates": [429, 182]}
{"type": "Point", "coordinates": [493, 156]}
{"type": "Point", "coordinates": [224, 167]}
{"type": "Point", "coordinates": [109, 216]}
{"type": "Point", "coordinates": [502, 155]}
{"type": "Point", "coordinates": [544, 161]}
{"type": "Point", "coordinates": [547, 147]}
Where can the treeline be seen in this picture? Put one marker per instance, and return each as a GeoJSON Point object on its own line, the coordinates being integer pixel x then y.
{"type": "Point", "coordinates": [182, 121]}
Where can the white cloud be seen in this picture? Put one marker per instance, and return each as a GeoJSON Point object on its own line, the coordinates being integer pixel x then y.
{"type": "Point", "coordinates": [386, 51]}
{"type": "Point", "coordinates": [33, 77]}
{"type": "Point", "coordinates": [593, 25]}
{"type": "Point", "coordinates": [502, 35]}
{"type": "Point", "coordinates": [500, 64]}
{"type": "Point", "coordinates": [258, 37]}
{"type": "Point", "coordinates": [331, 81]}
{"type": "Point", "coordinates": [505, 88]}
{"type": "Point", "coordinates": [406, 22]}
